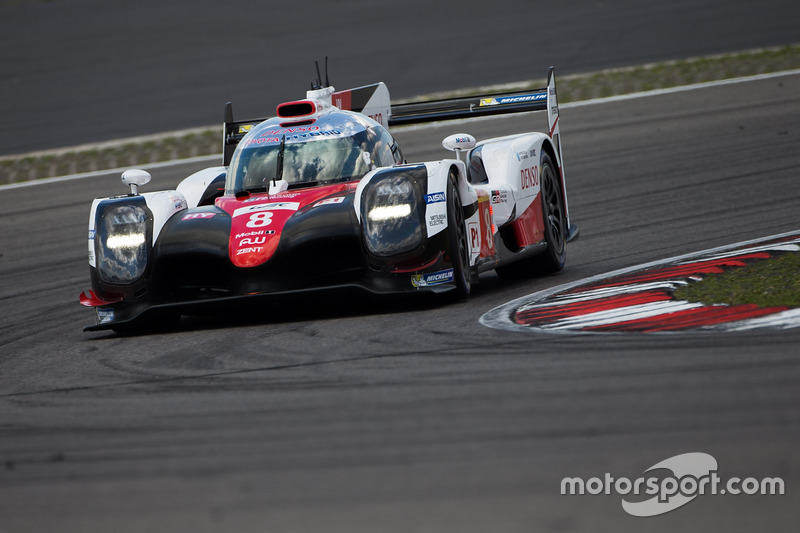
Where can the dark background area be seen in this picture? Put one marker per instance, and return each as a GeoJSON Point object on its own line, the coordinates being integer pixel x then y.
{"type": "Point", "coordinates": [81, 71]}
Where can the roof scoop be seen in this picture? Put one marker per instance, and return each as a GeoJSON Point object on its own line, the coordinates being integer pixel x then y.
{"type": "Point", "coordinates": [301, 108]}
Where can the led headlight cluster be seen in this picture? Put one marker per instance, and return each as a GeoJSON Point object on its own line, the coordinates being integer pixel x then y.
{"type": "Point", "coordinates": [122, 242]}
{"type": "Point", "coordinates": [392, 219]}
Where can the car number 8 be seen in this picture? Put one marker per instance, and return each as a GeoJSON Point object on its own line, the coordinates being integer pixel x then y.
{"type": "Point", "coordinates": [488, 217]}
{"type": "Point", "coordinates": [259, 220]}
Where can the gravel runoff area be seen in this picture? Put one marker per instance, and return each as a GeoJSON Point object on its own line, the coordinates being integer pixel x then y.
{"type": "Point", "coordinates": [139, 151]}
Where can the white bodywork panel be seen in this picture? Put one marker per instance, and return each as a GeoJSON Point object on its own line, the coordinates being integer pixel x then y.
{"type": "Point", "coordinates": [193, 187]}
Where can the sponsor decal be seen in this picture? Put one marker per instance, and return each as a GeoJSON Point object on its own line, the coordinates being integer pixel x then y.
{"type": "Point", "coordinates": [330, 201]}
{"type": "Point", "coordinates": [91, 234]}
{"type": "Point", "coordinates": [439, 219]}
{"type": "Point", "coordinates": [474, 235]}
{"type": "Point", "coordinates": [529, 177]}
{"type": "Point", "coordinates": [435, 278]}
{"type": "Point", "coordinates": [177, 202]}
{"type": "Point", "coordinates": [252, 240]}
{"type": "Point", "coordinates": [522, 98]}
{"type": "Point", "coordinates": [254, 233]}
{"type": "Point", "coordinates": [261, 198]}
{"type": "Point", "coordinates": [290, 136]}
{"type": "Point", "coordinates": [434, 198]}
{"type": "Point", "coordinates": [499, 197]}
{"type": "Point", "coordinates": [641, 299]}
{"type": "Point", "coordinates": [193, 216]}
{"type": "Point", "coordinates": [290, 206]}
{"type": "Point", "coordinates": [250, 250]}
{"type": "Point", "coordinates": [104, 315]}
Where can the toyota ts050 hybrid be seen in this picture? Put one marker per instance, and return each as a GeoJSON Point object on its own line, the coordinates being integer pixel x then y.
{"type": "Point", "coordinates": [320, 198]}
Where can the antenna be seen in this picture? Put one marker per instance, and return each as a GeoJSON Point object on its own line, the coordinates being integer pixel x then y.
{"type": "Point", "coordinates": [327, 82]}
{"type": "Point", "coordinates": [318, 85]}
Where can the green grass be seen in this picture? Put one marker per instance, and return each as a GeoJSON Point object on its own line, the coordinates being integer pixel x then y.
{"type": "Point", "coordinates": [768, 283]}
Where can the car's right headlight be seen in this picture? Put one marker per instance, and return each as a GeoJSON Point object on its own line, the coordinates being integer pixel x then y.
{"type": "Point", "coordinates": [122, 242]}
{"type": "Point", "coordinates": [392, 219]}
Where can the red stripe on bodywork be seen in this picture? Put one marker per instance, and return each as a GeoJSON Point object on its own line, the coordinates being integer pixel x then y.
{"type": "Point", "coordinates": [529, 226]}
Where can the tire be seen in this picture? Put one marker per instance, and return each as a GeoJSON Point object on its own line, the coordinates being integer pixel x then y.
{"type": "Point", "coordinates": [457, 241]}
{"type": "Point", "coordinates": [554, 216]}
{"type": "Point", "coordinates": [555, 220]}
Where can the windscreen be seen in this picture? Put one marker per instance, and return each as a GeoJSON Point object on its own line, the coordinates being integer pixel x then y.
{"type": "Point", "coordinates": [304, 163]}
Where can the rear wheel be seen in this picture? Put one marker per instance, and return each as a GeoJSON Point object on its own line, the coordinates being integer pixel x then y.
{"type": "Point", "coordinates": [457, 240]}
{"type": "Point", "coordinates": [555, 220]}
{"type": "Point", "coordinates": [554, 216]}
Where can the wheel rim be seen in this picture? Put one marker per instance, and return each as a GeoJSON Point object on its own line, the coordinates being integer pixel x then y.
{"type": "Point", "coordinates": [555, 211]}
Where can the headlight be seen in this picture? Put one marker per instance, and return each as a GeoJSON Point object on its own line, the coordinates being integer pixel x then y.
{"type": "Point", "coordinates": [393, 224]}
{"type": "Point", "coordinates": [122, 243]}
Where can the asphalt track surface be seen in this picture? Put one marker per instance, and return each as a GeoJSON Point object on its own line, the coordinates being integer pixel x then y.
{"type": "Point", "coordinates": [80, 71]}
{"type": "Point", "coordinates": [413, 417]}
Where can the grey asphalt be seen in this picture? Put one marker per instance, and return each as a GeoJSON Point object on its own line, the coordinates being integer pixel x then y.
{"type": "Point", "coordinates": [413, 417]}
{"type": "Point", "coordinates": [81, 71]}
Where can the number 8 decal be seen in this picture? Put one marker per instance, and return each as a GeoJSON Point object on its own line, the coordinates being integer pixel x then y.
{"type": "Point", "coordinates": [260, 219]}
{"type": "Point", "coordinates": [489, 235]}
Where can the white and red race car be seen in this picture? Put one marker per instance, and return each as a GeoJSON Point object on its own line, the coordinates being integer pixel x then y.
{"type": "Point", "coordinates": [320, 198]}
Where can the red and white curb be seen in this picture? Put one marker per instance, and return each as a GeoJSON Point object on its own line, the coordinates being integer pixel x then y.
{"type": "Point", "coordinates": [640, 299]}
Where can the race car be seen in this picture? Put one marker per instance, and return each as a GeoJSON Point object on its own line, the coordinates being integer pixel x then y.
{"type": "Point", "coordinates": [320, 198]}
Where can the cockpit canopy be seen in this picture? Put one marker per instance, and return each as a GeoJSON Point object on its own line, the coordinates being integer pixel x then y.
{"type": "Point", "coordinates": [338, 146]}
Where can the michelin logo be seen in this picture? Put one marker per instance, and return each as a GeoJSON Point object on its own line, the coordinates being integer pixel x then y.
{"type": "Point", "coordinates": [513, 99]}
{"type": "Point", "coordinates": [435, 278]}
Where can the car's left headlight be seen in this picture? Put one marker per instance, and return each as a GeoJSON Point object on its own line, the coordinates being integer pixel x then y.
{"type": "Point", "coordinates": [392, 218]}
{"type": "Point", "coordinates": [123, 243]}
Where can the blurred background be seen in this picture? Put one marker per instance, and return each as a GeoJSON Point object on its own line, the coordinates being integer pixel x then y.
{"type": "Point", "coordinates": [82, 71]}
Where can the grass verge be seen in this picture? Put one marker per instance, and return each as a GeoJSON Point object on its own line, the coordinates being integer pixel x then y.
{"type": "Point", "coordinates": [769, 283]}
{"type": "Point", "coordinates": [206, 141]}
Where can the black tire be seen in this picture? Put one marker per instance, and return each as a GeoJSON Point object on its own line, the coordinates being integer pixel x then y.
{"type": "Point", "coordinates": [555, 229]}
{"type": "Point", "coordinates": [555, 219]}
{"type": "Point", "coordinates": [457, 241]}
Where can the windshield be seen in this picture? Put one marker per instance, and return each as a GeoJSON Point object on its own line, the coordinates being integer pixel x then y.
{"type": "Point", "coordinates": [310, 161]}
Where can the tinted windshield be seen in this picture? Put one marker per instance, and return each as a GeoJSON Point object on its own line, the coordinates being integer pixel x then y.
{"type": "Point", "coordinates": [309, 161]}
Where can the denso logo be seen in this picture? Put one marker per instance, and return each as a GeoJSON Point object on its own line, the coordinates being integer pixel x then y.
{"type": "Point", "coordinates": [434, 198]}
{"type": "Point", "coordinates": [529, 177]}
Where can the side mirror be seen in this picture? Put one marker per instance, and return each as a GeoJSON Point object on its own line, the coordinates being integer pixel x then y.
{"type": "Point", "coordinates": [459, 142]}
{"type": "Point", "coordinates": [135, 178]}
